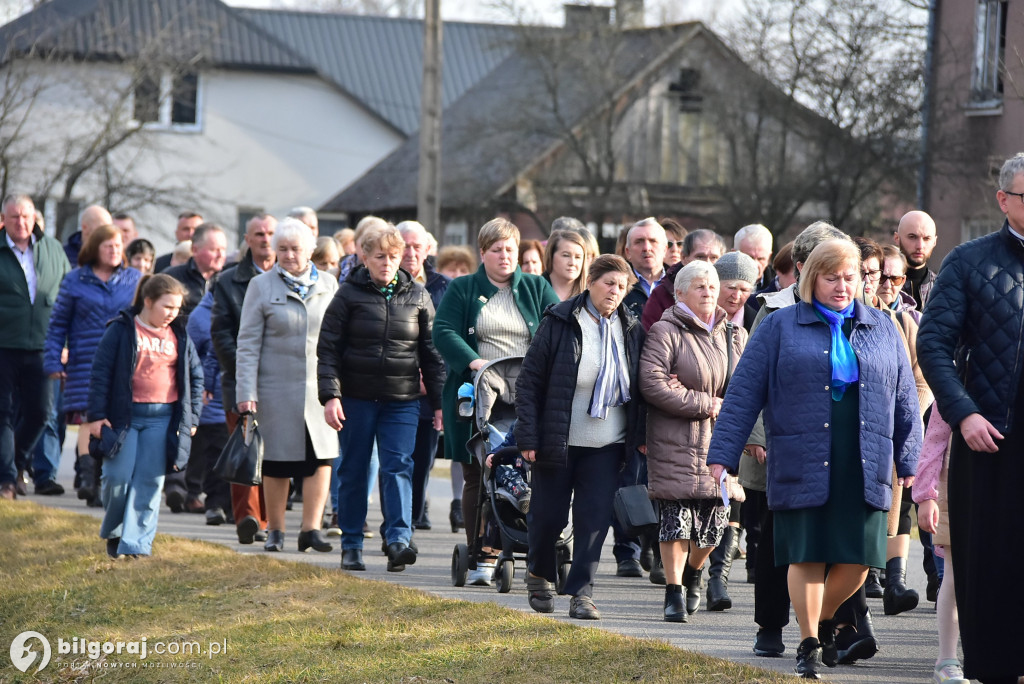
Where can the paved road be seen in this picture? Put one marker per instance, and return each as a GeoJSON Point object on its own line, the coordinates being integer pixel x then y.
{"type": "Point", "coordinates": [629, 606]}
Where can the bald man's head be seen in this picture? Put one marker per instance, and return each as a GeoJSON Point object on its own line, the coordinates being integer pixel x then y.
{"type": "Point", "coordinates": [93, 217]}
{"type": "Point", "coordinates": [915, 237]}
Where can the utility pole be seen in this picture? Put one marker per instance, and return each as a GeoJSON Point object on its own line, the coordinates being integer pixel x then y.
{"type": "Point", "coordinates": [428, 194]}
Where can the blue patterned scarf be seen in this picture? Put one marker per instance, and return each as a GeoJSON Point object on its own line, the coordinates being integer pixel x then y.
{"type": "Point", "coordinates": [302, 283]}
{"type": "Point", "coordinates": [612, 386]}
{"type": "Point", "coordinates": [844, 360]}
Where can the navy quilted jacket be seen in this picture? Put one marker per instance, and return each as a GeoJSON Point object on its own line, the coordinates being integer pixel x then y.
{"type": "Point", "coordinates": [785, 369]}
{"type": "Point", "coordinates": [198, 328]}
{"type": "Point", "coordinates": [84, 306]}
{"type": "Point", "coordinates": [971, 342]}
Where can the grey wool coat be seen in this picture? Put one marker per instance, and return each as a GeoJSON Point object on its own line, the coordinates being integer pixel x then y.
{"type": "Point", "coordinates": [276, 366]}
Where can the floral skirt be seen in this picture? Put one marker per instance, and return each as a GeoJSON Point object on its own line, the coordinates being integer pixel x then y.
{"type": "Point", "coordinates": [698, 520]}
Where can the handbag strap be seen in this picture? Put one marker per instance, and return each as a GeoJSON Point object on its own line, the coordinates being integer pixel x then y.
{"type": "Point", "coordinates": [730, 331]}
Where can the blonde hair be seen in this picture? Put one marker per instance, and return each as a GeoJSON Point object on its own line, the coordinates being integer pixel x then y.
{"type": "Point", "coordinates": [828, 257]}
{"type": "Point", "coordinates": [495, 230]}
{"type": "Point", "coordinates": [326, 248]}
{"type": "Point", "coordinates": [386, 238]}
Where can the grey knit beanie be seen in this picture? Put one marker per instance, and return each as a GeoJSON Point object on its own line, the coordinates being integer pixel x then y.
{"type": "Point", "coordinates": [736, 266]}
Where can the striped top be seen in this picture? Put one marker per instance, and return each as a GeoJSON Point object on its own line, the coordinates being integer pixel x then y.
{"type": "Point", "coordinates": [500, 328]}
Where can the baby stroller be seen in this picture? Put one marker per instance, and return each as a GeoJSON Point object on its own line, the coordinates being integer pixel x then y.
{"type": "Point", "coordinates": [493, 413]}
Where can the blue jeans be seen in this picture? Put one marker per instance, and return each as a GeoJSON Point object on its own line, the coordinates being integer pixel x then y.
{"type": "Point", "coordinates": [132, 480]}
{"type": "Point", "coordinates": [336, 470]}
{"type": "Point", "coordinates": [46, 459]}
{"type": "Point", "coordinates": [393, 425]}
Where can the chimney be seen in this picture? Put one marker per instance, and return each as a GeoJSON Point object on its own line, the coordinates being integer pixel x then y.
{"type": "Point", "coordinates": [587, 18]}
{"type": "Point", "coordinates": [629, 14]}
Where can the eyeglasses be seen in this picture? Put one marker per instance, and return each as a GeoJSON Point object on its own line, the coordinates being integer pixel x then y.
{"type": "Point", "coordinates": [1015, 194]}
{"type": "Point", "coordinates": [871, 275]}
{"type": "Point", "coordinates": [897, 281]}
{"type": "Point", "coordinates": [677, 245]}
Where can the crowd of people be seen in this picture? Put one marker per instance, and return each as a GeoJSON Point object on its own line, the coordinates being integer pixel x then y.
{"type": "Point", "coordinates": [775, 394]}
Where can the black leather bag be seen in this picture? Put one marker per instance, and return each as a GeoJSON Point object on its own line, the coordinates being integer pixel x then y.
{"type": "Point", "coordinates": [634, 510]}
{"type": "Point", "coordinates": [241, 459]}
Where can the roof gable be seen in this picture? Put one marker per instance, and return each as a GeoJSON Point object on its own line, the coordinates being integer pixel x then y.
{"type": "Point", "coordinates": [203, 31]}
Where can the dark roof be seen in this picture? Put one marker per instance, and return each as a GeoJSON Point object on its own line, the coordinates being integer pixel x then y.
{"type": "Point", "coordinates": [492, 134]}
{"type": "Point", "coordinates": [207, 31]}
{"type": "Point", "coordinates": [379, 60]}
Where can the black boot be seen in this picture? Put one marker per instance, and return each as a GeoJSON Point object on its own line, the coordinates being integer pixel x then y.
{"type": "Point", "coordinates": [856, 642]}
{"type": "Point", "coordinates": [718, 570]}
{"type": "Point", "coordinates": [691, 580]}
{"type": "Point", "coordinates": [827, 641]}
{"type": "Point", "coordinates": [657, 575]}
{"type": "Point", "coordinates": [87, 477]}
{"type": "Point", "coordinates": [455, 515]}
{"type": "Point", "coordinates": [872, 587]}
{"type": "Point", "coordinates": [897, 598]}
{"type": "Point", "coordinates": [675, 610]}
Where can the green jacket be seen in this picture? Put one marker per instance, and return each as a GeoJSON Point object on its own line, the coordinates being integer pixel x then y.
{"type": "Point", "coordinates": [455, 338]}
{"type": "Point", "coordinates": [25, 322]}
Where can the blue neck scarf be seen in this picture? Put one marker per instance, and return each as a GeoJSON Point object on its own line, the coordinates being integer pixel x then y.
{"type": "Point", "coordinates": [844, 361]}
{"type": "Point", "coordinates": [302, 283]}
{"type": "Point", "coordinates": [612, 386]}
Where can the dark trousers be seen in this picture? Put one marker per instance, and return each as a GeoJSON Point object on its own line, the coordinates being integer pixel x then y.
{"type": "Point", "coordinates": [24, 400]}
{"type": "Point", "coordinates": [852, 608]}
{"type": "Point", "coordinates": [635, 472]}
{"type": "Point", "coordinates": [771, 586]}
{"type": "Point", "coordinates": [751, 515]}
{"type": "Point", "coordinates": [422, 462]}
{"type": "Point", "coordinates": [207, 444]}
{"type": "Point", "coordinates": [589, 481]}
{"type": "Point", "coordinates": [470, 493]}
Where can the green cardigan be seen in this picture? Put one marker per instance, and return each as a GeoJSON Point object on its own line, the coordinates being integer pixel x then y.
{"type": "Point", "coordinates": [25, 322]}
{"type": "Point", "coordinates": [455, 338]}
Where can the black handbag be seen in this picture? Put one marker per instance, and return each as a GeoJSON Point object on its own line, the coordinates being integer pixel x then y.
{"type": "Point", "coordinates": [634, 510]}
{"type": "Point", "coordinates": [241, 459]}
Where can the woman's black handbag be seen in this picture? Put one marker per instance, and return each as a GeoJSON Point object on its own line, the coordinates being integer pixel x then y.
{"type": "Point", "coordinates": [241, 459]}
{"type": "Point", "coordinates": [634, 510]}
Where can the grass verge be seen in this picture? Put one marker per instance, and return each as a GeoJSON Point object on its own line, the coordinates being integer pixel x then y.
{"type": "Point", "coordinates": [285, 622]}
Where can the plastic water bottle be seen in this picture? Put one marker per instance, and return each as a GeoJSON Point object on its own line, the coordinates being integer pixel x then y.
{"type": "Point", "coordinates": [465, 402]}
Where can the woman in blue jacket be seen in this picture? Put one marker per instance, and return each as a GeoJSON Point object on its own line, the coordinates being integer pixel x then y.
{"type": "Point", "coordinates": [145, 397]}
{"type": "Point", "coordinates": [839, 406]}
{"type": "Point", "coordinates": [89, 297]}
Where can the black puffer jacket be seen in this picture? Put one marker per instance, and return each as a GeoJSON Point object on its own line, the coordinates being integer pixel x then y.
{"type": "Point", "coordinates": [547, 383]}
{"type": "Point", "coordinates": [970, 345]}
{"type": "Point", "coordinates": [228, 294]}
{"type": "Point", "coordinates": [374, 349]}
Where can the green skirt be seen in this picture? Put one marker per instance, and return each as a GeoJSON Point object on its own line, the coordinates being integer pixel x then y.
{"type": "Point", "coordinates": [845, 529]}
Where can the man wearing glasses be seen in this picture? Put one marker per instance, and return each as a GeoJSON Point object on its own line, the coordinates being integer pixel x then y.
{"type": "Point", "coordinates": [969, 348]}
{"type": "Point", "coordinates": [915, 236]}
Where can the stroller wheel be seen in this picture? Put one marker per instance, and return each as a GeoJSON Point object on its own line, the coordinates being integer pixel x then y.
{"type": "Point", "coordinates": [563, 575]}
{"type": "Point", "coordinates": [504, 575]}
{"type": "Point", "coordinates": [460, 565]}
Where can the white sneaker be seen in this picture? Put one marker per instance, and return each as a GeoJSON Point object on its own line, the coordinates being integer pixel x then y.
{"type": "Point", "coordinates": [949, 672]}
{"type": "Point", "coordinates": [482, 576]}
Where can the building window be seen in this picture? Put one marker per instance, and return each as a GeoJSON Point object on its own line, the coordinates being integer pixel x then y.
{"type": "Point", "coordinates": [246, 214]}
{"type": "Point", "coordinates": [167, 100]}
{"type": "Point", "coordinates": [989, 51]}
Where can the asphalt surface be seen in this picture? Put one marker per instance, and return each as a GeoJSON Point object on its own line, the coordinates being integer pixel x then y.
{"type": "Point", "coordinates": [630, 606]}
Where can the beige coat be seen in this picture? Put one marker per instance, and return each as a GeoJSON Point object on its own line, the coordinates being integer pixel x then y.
{"type": "Point", "coordinates": [678, 420]}
{"type": "Point", "coordinates": [276, 366]}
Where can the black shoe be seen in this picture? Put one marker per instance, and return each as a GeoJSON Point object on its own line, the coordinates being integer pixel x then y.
{"type": "Point", "coordinates": [647, 557]}
{"type": "Point", "coordinates": [400, 555]}
{"type": "Point", "coordinates": [247, 529]}
{"type": "Point", "coordinates": [657, 575]}
{"type": "Point", "coordinates": [827, 641]}
{"type": "Point", "coordinates": [691, 582]}
{"type": "Point", "coordinates": [583, 608]}
{"type": "Point", "coordinates": [538, 593]}
{"type": "Point", "coordinates": [215, 516]}
{"type": "Point", "coordinates": [768, 643]}
{"type": "Point", "coordinates": [455, 516]}
{"type": "Point", "coordinates": [897, 598]}
{"type": "Point", "coordinates": [260, 536]}
{"type": "Point", "coordinates": [49, 488]}
{"type": "Point", "coordinates": [94, 502]}
{"type": "Point", "coordinates": [352, 560]}
{"type": "Point", "coordinates": [422, 523]}
{"type": "Point", "coordinates": [112, 545]}
{"type": "Point", "coordinates": [872, 587]}
{"type": "Point", "coordinates": [87, 469]}
{"type": "Point", "coordinates": [751, 576]}
{"type": "Point", "coordinates": [21, 484]}
{"type": "Point", "coordinates": [176, 501]}
{"type": "Point", "coordinates": [808, 659]}
{"type": "Point", "coordinates": [675, 609]}
{"type": "Point", "coordinates": [275, 541]}
{"type": "Point", "coordinates": [931, 591]}
{"type": "Point", "coordinates": [314, 539]}
{"type": "Point", "coordinates": [629, 568]}
{"type": "Point", "coordinates": [852, 646]}
{"type": "Point", "coordinates": [194, 505]}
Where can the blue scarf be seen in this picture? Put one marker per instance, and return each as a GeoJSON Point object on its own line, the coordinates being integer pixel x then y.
{"type": "Point", "coordinates": [844, 360]}
{"type": "Point", "coordinates": [300, 284]}
{"type": "Point", "coordinates": [612, 386]}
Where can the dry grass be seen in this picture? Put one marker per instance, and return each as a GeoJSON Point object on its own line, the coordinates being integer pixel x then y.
{"type": "Point", "coordinates": [288, 622]}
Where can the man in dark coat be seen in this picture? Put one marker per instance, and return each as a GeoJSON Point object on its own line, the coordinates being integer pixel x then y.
{"type": "Point", "coordinates": [188, 221]}
{"type": "Point", "coordinates": [209, 251]}
{"type": "Point", "coordinates": [915, 237]}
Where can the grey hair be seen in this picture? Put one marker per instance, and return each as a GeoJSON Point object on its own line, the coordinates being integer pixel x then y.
{"type": "Point", "coordinates": [754, 230]}
{"type": "Point", "coordinates": [18, 199]}
{"type": "Point", "coordinates": [702, 235]}
{"type": "Point", "coordinates": [302, 213]}
{"type": "Point", "coordinates": [412, 227]}
{"type": "Point", "coordinates": [292, 228]}
{"type": "Point", "coordinates": [203, 232]}
{"type": "Point", "coordinates": [813, 235]}
{"type": "Point", "coordinates": [1012, 167]}
{"type": "Point", "coordinates": [649, 221]}
{"type": "Point", "coordinates": [567, 223]}
{"type": "Point", "coordinates": [693, 270]}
